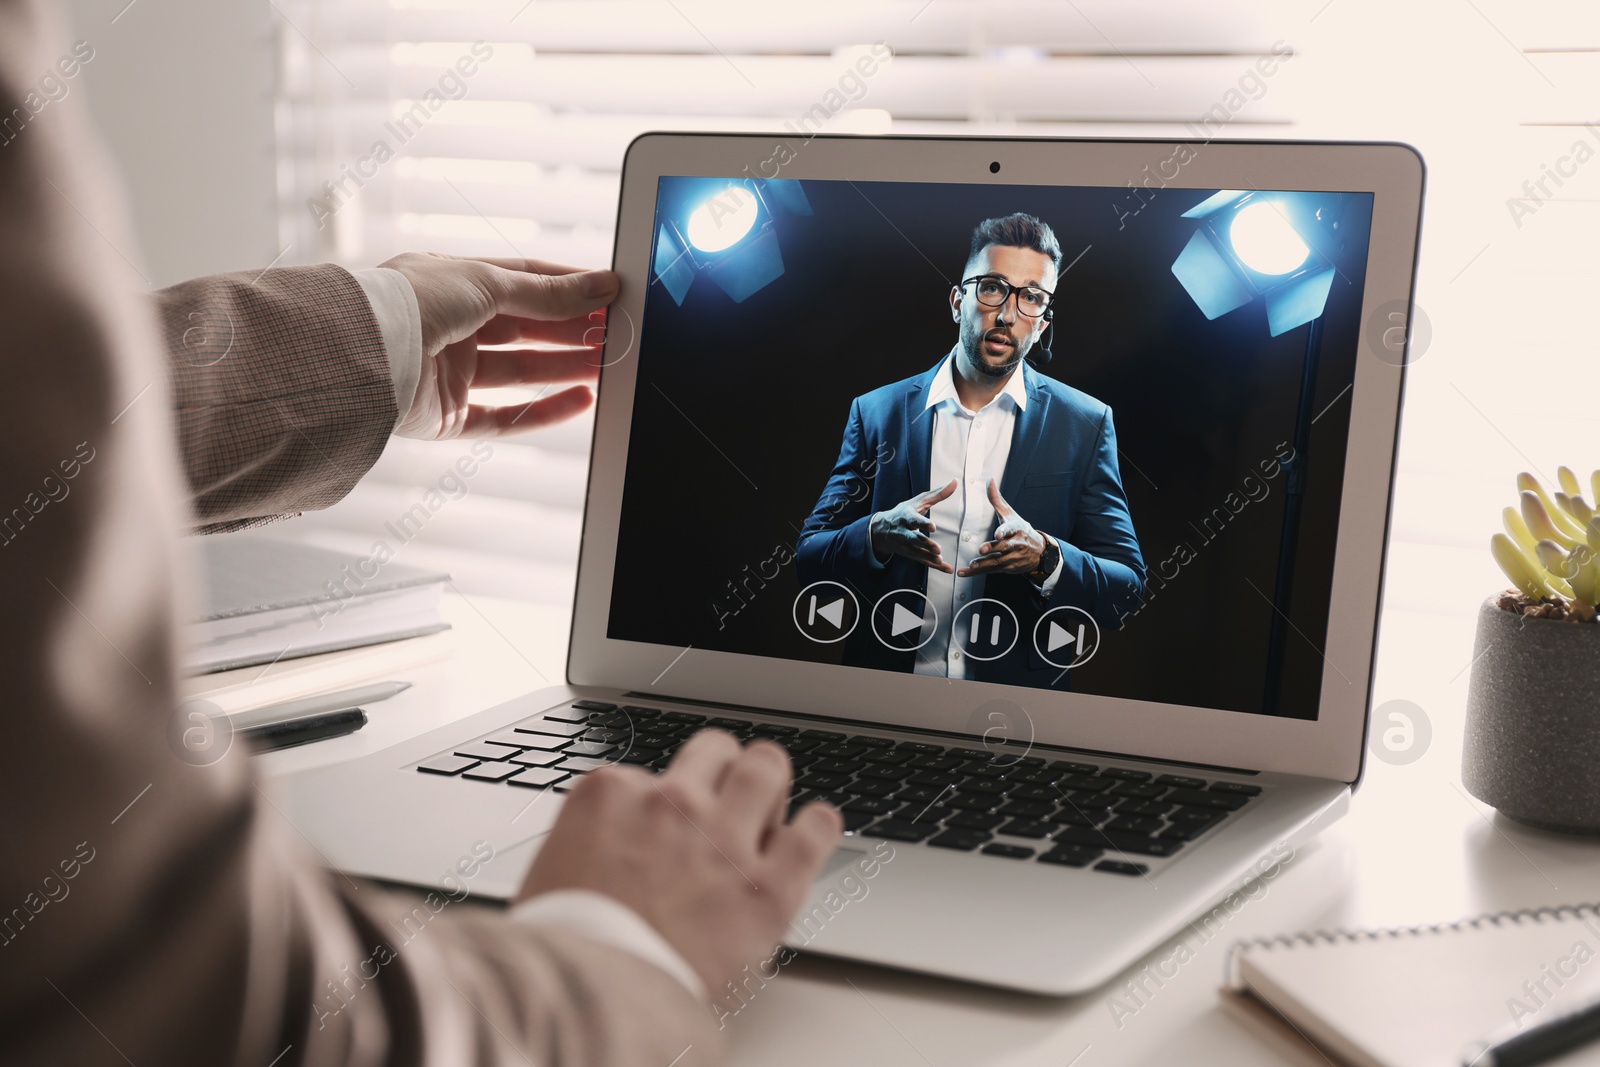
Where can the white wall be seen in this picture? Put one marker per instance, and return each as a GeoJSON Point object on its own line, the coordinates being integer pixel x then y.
{"type": "Point", "coordinates": [182, 93]}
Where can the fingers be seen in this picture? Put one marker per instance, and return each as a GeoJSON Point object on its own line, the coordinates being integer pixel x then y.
{"type": "Point", "coordinates": [798, 850]}
{"type": "Point", "coordinates": [506, 263]}
{"type": "Point", "coordinates": [755, 792]}
{"type": "Point", "coordinates": [530, 295]}
{"type": "Point", "coordinates": [585, 331]}
{"type": "Point", "coordinates": [929, 499]}
{"type": "Point", "coordinates": [703, 760]}
{"type": "Point", "coordinates": [1007, 537]}
{"type": "Point", "coordinates": [1004, 553]}
{"type": "Point", "coordinates": [996, 562]}
{"type": "Point", "coordinates": [528, 367]}
{"type": "Point", "coordinates": [533, 266]}
{"type": "Point", "coordinates": [484, 421]}
{"type": "Point", "coordinates": [1001, 508]}
{"type": "Point", "coordinates": [906, 521]}
{"type": "Point", "coordinates": [924, 550]}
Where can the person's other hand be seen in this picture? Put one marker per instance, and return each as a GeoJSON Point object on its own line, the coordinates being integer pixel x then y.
{"type": "Point", "coordinates": [1016, 547]}
{"type": "Point", "coordinates": [468, 302]}
{"type": "Point", "coordinates": [701, 851]}
{"type": "Point", "coordinates": [905, 529]}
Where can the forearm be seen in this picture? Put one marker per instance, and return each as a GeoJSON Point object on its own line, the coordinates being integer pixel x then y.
{"type": "Point", "coordinates": [157, 909]}
{"type": "Point", "coordinates": [1102, 567]}
{"type": "Point", "coordinates": [1105, 587]}
{"type": "Point", "coordinates": [836, 553]}
{"type": "Point", "coordinates": [282, 391]}
{"type": "Point", "coordinates": [431, 981]}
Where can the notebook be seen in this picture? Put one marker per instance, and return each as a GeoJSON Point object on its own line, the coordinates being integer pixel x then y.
{"type": "Point", "coordinates": [268, 599]}
{"type": "Point", "coordinates": [1418, 996]}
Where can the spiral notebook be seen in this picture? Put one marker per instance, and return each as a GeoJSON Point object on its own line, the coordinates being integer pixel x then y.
{"type": "Point", "coordinates": [1417, 996]}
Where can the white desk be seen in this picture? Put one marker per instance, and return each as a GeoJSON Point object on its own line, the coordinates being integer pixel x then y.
{"type": "Point", "coordinates": [1415, 849]}
{"type": "Point", "coordinates": [499, 649]}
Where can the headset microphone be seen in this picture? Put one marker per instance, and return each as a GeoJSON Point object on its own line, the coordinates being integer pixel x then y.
{"type": "Point", "coordinates": [1045, 355]}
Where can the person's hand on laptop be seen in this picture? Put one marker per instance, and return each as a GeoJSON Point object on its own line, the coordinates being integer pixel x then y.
{"type": "Point", "coordinates": [905, 529]}
{"type": "Point", "coordinates": [468, 302]}
{"type": "Point", "coordinates": [701, 851]}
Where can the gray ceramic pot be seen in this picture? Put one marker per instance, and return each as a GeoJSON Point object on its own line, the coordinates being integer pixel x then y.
{"type": "Point", "coordinates": [1533, 720]}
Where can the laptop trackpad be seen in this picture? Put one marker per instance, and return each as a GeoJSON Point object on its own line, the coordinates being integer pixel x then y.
{"type": "Point", "coordinates": [842, 857]}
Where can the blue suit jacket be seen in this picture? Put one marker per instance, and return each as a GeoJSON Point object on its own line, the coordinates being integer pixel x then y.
{"type": "Point", "coordinates": [1062, 476]}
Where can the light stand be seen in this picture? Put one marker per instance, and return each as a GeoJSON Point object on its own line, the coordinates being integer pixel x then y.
{"type": "Point", "coordinates": [1289, 540]}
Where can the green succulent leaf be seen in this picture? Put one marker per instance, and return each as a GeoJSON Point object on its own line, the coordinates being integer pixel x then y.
{"type": "Point", "coordinates": [1568, 480]}
{"type": "Point", "coordinates": [1522, 571]}
{"type": "Point", "coordinates": [1570, 529]}
{"type": "Point", "coordinates": [1518, 529]}
{"type": "Point", "coordinates": [1585, 566]}
{"type": "Point", "coordinates": [1540, 523]}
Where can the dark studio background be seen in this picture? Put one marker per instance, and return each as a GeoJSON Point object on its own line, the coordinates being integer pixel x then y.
{"type": "Point", "coordinates": [739, 410]}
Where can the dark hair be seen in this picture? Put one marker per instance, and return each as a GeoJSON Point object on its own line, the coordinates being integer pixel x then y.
{"type": "Point", "coordinates": [1016, 231]}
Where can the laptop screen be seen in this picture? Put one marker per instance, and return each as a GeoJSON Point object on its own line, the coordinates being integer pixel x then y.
{"type": "Point", "coordinates": [1088, 440]}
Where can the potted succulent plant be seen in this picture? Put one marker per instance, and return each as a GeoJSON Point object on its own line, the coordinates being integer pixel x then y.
{"type": "Point", "coordinates": [1532, 746]}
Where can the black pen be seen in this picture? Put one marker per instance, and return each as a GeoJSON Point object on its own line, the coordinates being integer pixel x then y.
{"type": "Point", "coordinates": [307, 728]}
{"type": "Point", "coordinates": [1539, 1042]}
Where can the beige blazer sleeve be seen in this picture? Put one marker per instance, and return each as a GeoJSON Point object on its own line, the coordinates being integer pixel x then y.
{"type": "Point", "coordinates": [280, 387]}
{"type": "Point", "coordinates": [154, 910]}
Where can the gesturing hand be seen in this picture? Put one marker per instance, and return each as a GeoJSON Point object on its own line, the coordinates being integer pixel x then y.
{"type": "Point", "coordinates": [1016, 547]}
{"type": "Point", "coordinates": [468, 302]}
{"type": "Point", "coordinates": [904, 529]}
{"type": "Point", "coordinates": [701, 852]}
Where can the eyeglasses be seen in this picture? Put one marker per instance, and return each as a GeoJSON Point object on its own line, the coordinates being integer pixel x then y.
{"type": "Point", "coordinates": [1032, 301]}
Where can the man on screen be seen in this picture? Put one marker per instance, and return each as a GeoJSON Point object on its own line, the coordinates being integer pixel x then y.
{"type": "Point", "coordinates": [1002, 485]}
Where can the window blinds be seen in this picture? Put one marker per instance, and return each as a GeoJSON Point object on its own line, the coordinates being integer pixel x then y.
{"type": "Point", "coordinates": [498, 128]}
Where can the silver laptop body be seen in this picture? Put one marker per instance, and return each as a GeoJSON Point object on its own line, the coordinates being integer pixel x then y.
{"type": "Point", "coordinates": [1161, 769]}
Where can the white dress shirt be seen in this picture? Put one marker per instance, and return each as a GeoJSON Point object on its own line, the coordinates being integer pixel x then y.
{"type": "Point", "coordinates": [394, 305]}
{"type": "Point", "coordinates": [580, 911]}
{"type": "Point", "coordinates": [970, 447]}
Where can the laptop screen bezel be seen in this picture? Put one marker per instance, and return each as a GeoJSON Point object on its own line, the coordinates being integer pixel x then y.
{"type": "Point", "coordinates": [1328, 746]}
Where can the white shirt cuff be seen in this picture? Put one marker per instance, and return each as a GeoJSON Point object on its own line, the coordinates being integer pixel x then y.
{"type": "Point", "coordinates": [394, 305]}
{"type": "Point", "coordinates": [610, 922]}
{"type": "Point", "coordinates": [1048, 586]}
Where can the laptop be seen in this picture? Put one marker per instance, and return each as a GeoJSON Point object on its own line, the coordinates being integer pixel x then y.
{"type": "Point", "coordinates": [1119, 668]}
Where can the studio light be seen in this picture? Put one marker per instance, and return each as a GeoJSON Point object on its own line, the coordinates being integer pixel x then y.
{"type": "Point", "coordinates": [725, 229]}
{"type": "Point", "coordinates": [723, 220]}
{"type": "Point", "coordinates": [1279, 246]}
{"type": "Point", "coordinates": [1265, 241]}
{"type": "Point", "coordinates": [1253, 244]}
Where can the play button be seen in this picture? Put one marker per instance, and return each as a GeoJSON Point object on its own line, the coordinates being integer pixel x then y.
{"type": "Point", "coordinates": [904, 620]}
{"type": "Point", "coordinates": [1066, 637]}
{"type": "Point", "coordinates": [1059, 637]}
{"type": "Point", "coordinates": [826, 612]}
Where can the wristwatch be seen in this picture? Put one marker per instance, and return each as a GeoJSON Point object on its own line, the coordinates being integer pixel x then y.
{"type": "Point", "coordinates": [1048, 559]}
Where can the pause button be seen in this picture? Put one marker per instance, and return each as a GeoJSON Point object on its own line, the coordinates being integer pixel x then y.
{"type": "Point", "coordinates": [985, 629]}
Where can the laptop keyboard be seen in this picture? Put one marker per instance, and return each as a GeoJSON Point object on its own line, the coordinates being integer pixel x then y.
{"type": "Point", "coordinates": [1061, 812]}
